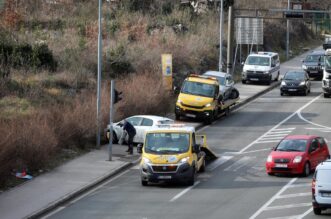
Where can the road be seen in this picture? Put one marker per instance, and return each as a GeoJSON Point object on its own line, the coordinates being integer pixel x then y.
{"type": "Point", "coordinates": [234, 186]}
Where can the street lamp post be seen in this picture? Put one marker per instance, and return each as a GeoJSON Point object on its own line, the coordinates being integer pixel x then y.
{"type": "Point", "coordinates": [99, 75]}
{"type": "Point", "coordinates": [220, 66]}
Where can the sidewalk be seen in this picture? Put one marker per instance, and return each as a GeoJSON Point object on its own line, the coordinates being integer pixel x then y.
{"type": "Point", "coordinates": [49, 190]}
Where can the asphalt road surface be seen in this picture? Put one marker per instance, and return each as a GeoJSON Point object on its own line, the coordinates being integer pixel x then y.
{"type": "Point", "coordinates": [233, 186]}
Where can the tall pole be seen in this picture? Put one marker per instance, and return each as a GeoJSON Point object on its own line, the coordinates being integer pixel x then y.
{"type": "Point", "coordinates": [99, 75]}
{"type": "Point", "coordinates": [111, 113]}
{"type": "Point", "coordinates": [220, 67]}
{"type": "Point", "coordinates": [287, 32]}
{"type": "Point", "coordinates": [230, 42]}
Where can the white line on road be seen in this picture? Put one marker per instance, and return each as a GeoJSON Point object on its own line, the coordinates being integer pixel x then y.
{"type": "Point", "coordinates": [218, 162]}
{"type": "Point", "coordinates": [282, 122]}
{"type": "Point", "coordinates": [300, 185]}
{"type": "Point", "coordinates": [285, 129]}
{"type": "Point", "coordinates": [278, 207]}
{"type": "Point", "coordinates": [306, 213]}
{"type": "Point", "coordinates": [272, 199]}
{"type": "Point", "coordinates": [315, 124]}
{"type": "Point", "coordinates": [295, 195]}
{"type": "Point", "coordinates": [286, 217]}
{"type": "Point", "coordinates": [238, 164]}
{"type": "Point", "coordinates": [265, 149]}
{"type": "Point", "coordinates": [262, 142]}
{"type": "Point", "coordinates": [276, 135]}
{"type": "Point", "coordinates": [184, 191]}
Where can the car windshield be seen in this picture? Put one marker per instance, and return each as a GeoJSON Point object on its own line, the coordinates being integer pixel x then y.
{"type": "Point", "coordinates": [314, 58]}
{"type": "Point", "coordinates": [294, 76]}
{"type": "Point", "coordinates": [221, 80]}
{"type": "Point", "coordinates": [197, 88]}
{"type": "Point", "coordinates": [323, 175]}
{"type": "Point", "coordinates": [292, 145]}
{"type": "Point", "coordinates": [167, 143]}
{"type": "Point", "coordinates": [258, 60]}
{"type": "Point", "coordinates": [328, 62]}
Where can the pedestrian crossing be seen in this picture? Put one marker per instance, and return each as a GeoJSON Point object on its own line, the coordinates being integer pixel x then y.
{"type": "Point", "coordinates": [274, 135]}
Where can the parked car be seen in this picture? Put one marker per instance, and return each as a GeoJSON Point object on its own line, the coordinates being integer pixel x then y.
{"type": "Point", "coordinates": [321, 187]}
{"type": "Point", "coordinates": [297, 154]}
{"type": "Point", "coordinates": [142, 123]}
{"type": "Point", "coordinates": [295, 82]}
{"type": "Point", "coordinates": [261, 67]}
{"type": "Point", "coordinates": [313, 63]}
{"type": "Point", "coordinates": [226, 84]}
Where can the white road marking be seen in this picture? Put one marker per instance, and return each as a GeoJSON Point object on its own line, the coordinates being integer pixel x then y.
{"type": "Point", "coordinates": [282, 122]}
{"type": "Point", "coordinates": [272, 138]}
{"type": "Point", "coordinates": [276, 135]}
{"type": "Point", "coordinates": [136, 167]}
{"type": "Point", "coordinates": [218, 162]}
{"type": "Point", "coordinates": [278, 207]}
{"type": "Point", "coordinates": [295, 195]}
{"type": "Point", "coordinates": [300, 185]}
{"type": "Point", "coordinates": [286, 217]}
{"type": "Point", "coordinates": [273, 198]}
{"type": "Point", "coordinates": [184, 191]}
{"type": "Point", "coordinates": [238, 164]}
{"type": "Point", "coordinates": [306, 213]}
{"type": "Point", "coordinates": [315, 124]}
{"type": "Point", "coordinates": [262, 142]}
{"type": "Point", "coordinates": [282, 129]}
{"type": "Point", "coordinates": [265, 149]}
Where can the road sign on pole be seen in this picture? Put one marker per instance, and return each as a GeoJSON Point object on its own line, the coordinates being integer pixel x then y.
{"type": "Point", "coordinates": [167, 70]}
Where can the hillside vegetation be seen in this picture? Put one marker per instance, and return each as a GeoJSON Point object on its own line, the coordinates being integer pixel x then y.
{"type": "Point", "coordinates": [48, 65]}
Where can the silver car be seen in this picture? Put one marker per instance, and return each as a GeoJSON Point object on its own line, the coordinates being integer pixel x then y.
{"type": "Point", "coordinates": [142, 123]}
{"type": "Point", "coordinates": [226, 84]}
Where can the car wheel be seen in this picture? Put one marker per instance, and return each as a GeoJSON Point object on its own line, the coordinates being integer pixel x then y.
{"type": "Point", "coordinates": [203, 166]}
{"type": "Point", "coordinates": [281, 93]}
{"type": "Point", "coordinates": [190, 182]}
{"type": "Point", "coordinates": [305, 92]}
{"type": "Point", "coordinates": [326, 95]}
{"type": "Point", "coordinates": [177, 116]}
{"type": "Point", "coordinates": [144, 183]}
{"type": "Point", "coordinates": [306, 169]}
{"type": "Point", "coordinates": [210, 118]}
{"type": "Point", "coordinates": [271, 174]}
{"type": "Point", "coordinates": [317, 211]}
{"type": "Point", "coordinates": [277, 78]}
{"type": "Point", "coordinates": [234, 94]}
{"type": "Point", "coordinates": [268, 82]}
{"type": "Point", "coordinates": [243, 81]}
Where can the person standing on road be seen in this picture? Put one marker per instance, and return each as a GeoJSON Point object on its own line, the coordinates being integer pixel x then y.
{"type": "Point", "coordinates": [129, 128]}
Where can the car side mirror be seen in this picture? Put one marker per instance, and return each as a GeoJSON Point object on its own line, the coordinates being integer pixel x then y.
{"type": "Point", "coordinates": [139, 148]}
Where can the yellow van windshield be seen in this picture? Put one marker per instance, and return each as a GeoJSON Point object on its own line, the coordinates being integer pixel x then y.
{"type": "Point", "coordinates": [167, 143]}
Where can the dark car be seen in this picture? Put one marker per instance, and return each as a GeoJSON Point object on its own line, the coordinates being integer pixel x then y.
{"type": "Point", "coordinates": [295, 82]}
{"type": "Point", "coordinates": [313, 63]}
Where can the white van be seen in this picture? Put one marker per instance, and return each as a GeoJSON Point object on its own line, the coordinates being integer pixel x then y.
{"type": "Point", "coordinates": [321, 187]}
{"type": "Point", "coordinates": [261, 67]}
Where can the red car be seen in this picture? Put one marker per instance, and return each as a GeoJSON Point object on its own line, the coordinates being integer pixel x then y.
{"type": "Point", "coordinates": [297, 154]}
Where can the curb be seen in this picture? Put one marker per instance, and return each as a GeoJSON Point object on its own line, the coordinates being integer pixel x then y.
{"type": "Point", "coordinates": [75, 194]}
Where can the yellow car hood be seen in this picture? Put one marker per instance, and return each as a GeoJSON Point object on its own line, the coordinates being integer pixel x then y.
{"type": "Point", "coordinates": [194, 100]}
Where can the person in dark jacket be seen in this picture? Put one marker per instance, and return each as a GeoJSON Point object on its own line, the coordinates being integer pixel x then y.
{"type": "Point", "coordinates": [129, 128]}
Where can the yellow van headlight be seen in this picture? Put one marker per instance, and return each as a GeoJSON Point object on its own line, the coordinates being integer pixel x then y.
{"type": "Point", "coordinates": [184, 160]}
{"type": "Point", "coordinates": [146, 160]}
{"type": "Point", "coordinates": [208, 105]}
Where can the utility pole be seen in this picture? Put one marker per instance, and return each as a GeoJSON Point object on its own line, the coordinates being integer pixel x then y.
{"type": "Point", "coordinates": [220, 66]}
{"type": "Point", "coordinates": [99, 76]}
{"type": "Point", "coordinates": [230, 42]}
{"type": "Point", "coordinates": [287, 32]}
{"type": "Point", "coordinates": [111, 114]}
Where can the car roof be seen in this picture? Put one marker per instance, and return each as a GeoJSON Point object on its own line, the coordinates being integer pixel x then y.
{"type": "Point", "coordinates": [317, 52]}
{"type": "Point", "coordinates": [152, 117]}
{"type": "Point", "coordinates": [264, 54]}
{"type": "Point", "coordinates": [215, 73]}
{"type": "Point", "coordinates": [325, 165]}
{"type": "Point", "coordinates": [302, 137]}
{"type": "Point", "coordinates": [297, 71]}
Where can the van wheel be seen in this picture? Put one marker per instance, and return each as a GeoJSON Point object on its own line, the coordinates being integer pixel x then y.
{"type": "Point", "coordinates": [277, 78]}
{"type": "Point", "coordinates": [210, 118]}
{"type": "Point", "coordinates": [268, 82]}
{"type": "Point", "coordinates": [144, 183]}
{"type": "Point", "coordinates": [317, 211]}
{"type": "Point", "coordinates": [190, 182]}
{"type": "Point", "coordinates": [203, 166]}
{"type": "Point", "coordinates": [306, 170]}
{"type": "Point", "coordinates": [326, 95]}
{"type": "Point", "coordinates": [177, 116]}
